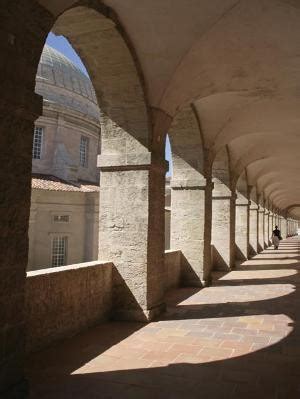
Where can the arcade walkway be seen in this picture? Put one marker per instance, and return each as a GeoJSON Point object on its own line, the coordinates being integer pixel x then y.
{"type": "Point", "coordinates": [239, 338]}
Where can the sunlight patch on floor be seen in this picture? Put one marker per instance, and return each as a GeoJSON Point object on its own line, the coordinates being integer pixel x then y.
{"type": "Point", "coordinates": [258, 274]}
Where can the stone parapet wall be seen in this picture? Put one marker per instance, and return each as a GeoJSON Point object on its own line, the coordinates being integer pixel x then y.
{"type": "Point", "coordinates": [65, 300]}
{"type": "Point", "coordinates": [173, 261]}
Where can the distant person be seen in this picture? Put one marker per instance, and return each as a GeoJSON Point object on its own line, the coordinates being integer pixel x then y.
{"type": "Point", "coordinates": [276, 237]}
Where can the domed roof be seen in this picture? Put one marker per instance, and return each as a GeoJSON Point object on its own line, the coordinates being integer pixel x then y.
{"type": "Point", "coordinates": [61, 82]}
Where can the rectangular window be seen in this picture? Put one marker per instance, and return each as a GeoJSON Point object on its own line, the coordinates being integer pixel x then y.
{"type": "Point", "coordinates": [61, 218]}
{"type": "Point", "coordinates": [84, 144]}
{"type": "Point", "coordinates": [37, 142]}
{"type": "Point", "coordinates": [59, 250]}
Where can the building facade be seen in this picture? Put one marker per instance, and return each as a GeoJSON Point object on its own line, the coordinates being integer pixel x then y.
{"type": "Point", "coordinates": [65, 180]}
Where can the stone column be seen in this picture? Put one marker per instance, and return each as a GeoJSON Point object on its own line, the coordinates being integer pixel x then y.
{"type": "Point", "coordinates": [295, 227]}
{"type": "Point", "coordinates": [266, 229]}
{"type": "Point", "coordinates": [31, 265]}
{"type": "Point", "coordinates": [91, 228]}
{"type": "Point", "coordinates": [279, 222]}
{"type": "Point", "coordinates": [261, 228]}
{"type": "Point", "coordinates": [131, 233]}
{"type": "Point", "coordinates": [189, 230]}
{"type": "Point", "coordinates": [283, 227]}
{"type": "Point", "coordinates": [24, 26]}
{"type": "Point", "coordinates": [253, 228]}
{"type": "Point", "coordinates": [167, 228]}
{"type": "Point", "coordinates": [223, 227]}
{"type": "Point", "coordinates": [291, 228]}
{"type": "Point", "coordinates": [16, 132]}
{"type": "Point", "coordinates": [271, 224]}
{"type": "Point", "coordinates": [242, 227]}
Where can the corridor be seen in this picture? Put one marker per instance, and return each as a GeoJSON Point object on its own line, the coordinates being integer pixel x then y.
{"type": "Point", "coordinates": [238, 338]}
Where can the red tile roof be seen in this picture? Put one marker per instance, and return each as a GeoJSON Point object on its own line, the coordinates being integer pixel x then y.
{"type": "Point", "coordinates": [53, 183]}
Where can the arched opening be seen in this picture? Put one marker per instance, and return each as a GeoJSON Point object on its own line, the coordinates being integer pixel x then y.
{"type": "Point", "coordinates": [64, 212]}
{"type": "Point", "coordinates": [132, 166]}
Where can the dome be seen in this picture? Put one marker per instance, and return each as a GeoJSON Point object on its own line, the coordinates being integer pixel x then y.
{"type": "Point", "coordinates": [59, 81]}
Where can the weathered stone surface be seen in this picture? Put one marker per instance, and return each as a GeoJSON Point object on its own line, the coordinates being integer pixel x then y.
{"type": "Point", "coordinates": [223, 214]}
{"type": "Point", "coordinates": [190, 199]}
{"type": "Point", "coordinates": [242, 227]}
{"type": "Point", "coordinates": [266, 229]}
{"type": "Point", "coordinates": [65, 300]}
{"type": "Point", "coordinates": [24, 26]}
{"type": "Point", "coordinates": [261, 227]}
{"type": "Point", "coordinates": [271, 224]}
{"type": "Point", "coordinates": [131, 233]}
{"type": "Point", "coordinates": [188, 231]}
{"type": "Point", "coordinates": [253, 228]}
{"type": "Point", "coordinates": [173, 269]}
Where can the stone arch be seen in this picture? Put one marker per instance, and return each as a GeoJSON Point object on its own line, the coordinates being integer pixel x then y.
{"type": "Point", "coordinates": [132, 165]}
{"type": "Point", "coordinates": [223, 212]}
{"type": "Point", "coordinates": [132, 162]}
{"type": "Point", "coordinates": [190, 198]}
{"type": "Point", "coordinates": [187, 143]}
{"type": "Point", "coordinates": [220, 170]}
{"type": "Point", "coordinates": [132, 155]}
{"type": "Point", "coordinates": [98, 37]}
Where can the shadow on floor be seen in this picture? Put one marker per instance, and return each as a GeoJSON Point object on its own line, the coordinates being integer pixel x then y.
{"type": "Point", "coordinates": [84, 366]}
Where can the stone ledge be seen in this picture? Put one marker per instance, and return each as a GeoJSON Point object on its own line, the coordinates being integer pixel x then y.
{"type": "Point", "coordinates": [130, 161]}
{"type": "Point", "coordinates": [190, 184]}
{"type": "Point", "coordinates": [240, 202]}
{"type": "Point", "coordinates": [67, 268]}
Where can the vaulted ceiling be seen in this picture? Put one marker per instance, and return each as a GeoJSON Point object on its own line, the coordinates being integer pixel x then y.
{"type": "Point", "coordinates": [238, 63]}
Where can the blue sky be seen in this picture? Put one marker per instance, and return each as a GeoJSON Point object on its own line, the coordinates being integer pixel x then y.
{"type": "Point", "coordinates": [61, 44]}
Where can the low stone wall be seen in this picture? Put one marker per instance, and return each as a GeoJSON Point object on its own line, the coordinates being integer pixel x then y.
{"type": "Point", "coordinates": [173, 269]}
{"type": "Point", "coordinates": [63, 301]}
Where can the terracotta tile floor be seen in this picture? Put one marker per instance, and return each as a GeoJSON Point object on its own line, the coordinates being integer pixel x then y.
{"type": "Point", "coordinates": [239, 338]}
